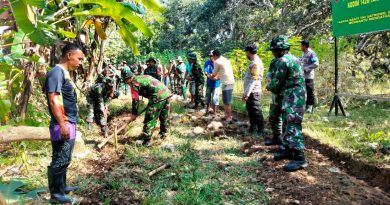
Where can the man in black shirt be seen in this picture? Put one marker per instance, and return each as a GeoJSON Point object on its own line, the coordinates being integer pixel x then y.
{"type": "Point", "coordinates": [61, 98]}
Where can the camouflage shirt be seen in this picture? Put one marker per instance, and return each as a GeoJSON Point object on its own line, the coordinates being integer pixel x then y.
{"type": "Point", "coordinates": [148, 87]}
{"type": "Point", "coordinates": [197, 73]}
{"type": "Point", "coordinates": [153, 71]}
{"type": "Point", "coordinates": [287, 74]}
{"type": "Point", "coordinates": [98, 95]}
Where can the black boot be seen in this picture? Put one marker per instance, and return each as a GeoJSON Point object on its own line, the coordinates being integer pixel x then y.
{"type": "Point", "coordinates": [147, 143]}
{"type": "Point", "coordinates": [273, 141]}
{"type": "Point", "coordinates": [282, 153]}
{"type": "Point", "coordinates": [69, 189]}
{"type": "Point", "coordinates": [276, 140]}
{"type": "Point", "coordinates": [57, 186]}
{"type": "Point", "coordinates": [298, 162]}
{"type": "Point", "coordinates": [50, 179]}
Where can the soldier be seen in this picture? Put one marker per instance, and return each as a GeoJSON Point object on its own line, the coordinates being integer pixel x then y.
{"type": "Point", "coordinates": [310, 63]}
{"type": "Point", "coordinates": [123, 86]}
{"type": "Point", "coordinates": [172, 76]}
{"type": "Point", "coordinates": [153, 69]}
{"type": "Point", "coordinates": [181, 73]}
{"type": "Point", "coordinates": [98, 97]}
{"type": "Point", "coordinates": [158, 106]}
{"type": "Point", "coordinates": [108, 71]}
{"type": "Point", "coordinates": [290, 82]}
{"type": "Point", "coordinates": [197, 76]}
{"type": "Point", "coordinates": [275, 110]}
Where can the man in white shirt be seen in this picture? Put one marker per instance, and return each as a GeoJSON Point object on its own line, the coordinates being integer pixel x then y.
{"type": "Point", "coordinates": [252, 91]}
{"type": "Point", "coordinates": [310, 62]}
{"type": "Point", "coordinates": [223, 70]}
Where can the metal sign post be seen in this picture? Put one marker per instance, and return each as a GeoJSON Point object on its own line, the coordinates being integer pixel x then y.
{"type": "Point", "coordinates": [336, 103]}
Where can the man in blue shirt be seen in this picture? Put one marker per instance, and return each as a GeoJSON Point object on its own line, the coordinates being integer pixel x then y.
{"type": "Point", "coordinates": [62, 99]}
{"type": "Point", "coordinates": [212, 87]}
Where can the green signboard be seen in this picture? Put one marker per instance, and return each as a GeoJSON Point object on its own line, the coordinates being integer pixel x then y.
{"type": "Point", "coordinates": [360, 16]}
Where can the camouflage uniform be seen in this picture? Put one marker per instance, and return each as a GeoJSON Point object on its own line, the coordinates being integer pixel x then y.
{"type": "Point", "coordinates": [107, 72]}
{"type": "Point", "coordinates": [197, 76]}
{"type": "Point", "coordinates": [290, 82]}
{"type": "Point", "coordinates": [275, 108]}
{"type": "Point", "coordinates": [153, 70]}
{"type": "Point", "coordinates": [98, 98]}
{"type": "Point", "coordinates": [158, 108]}
{"type": "Point", "coordinates": [123, 86]}
{"type": "Point", "coordinates": [174, 80]}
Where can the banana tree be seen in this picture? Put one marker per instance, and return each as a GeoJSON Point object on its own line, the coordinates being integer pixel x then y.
{"type": "Point", "coordinates": [124, 14]}
{"type": "Point", "coordinates": [42, 23]}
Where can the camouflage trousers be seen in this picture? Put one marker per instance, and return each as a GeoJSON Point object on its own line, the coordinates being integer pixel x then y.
{"type": "Point", "coordinates": [275, 116]}
{"type": "Point", "coordinates": [159, 111]}
{"type": "Point", "coordinates": [293, 109]}
{"type": "Point", "coordinates": [95, 114]}
{"type": "Point", "coordinates": [199, 94]}
{"type": "Point", "coordinates": [176, 86]}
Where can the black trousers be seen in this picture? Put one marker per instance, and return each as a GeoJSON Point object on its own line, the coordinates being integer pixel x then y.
{"type": "Point", "coordinates": [310, 100]}
{"type": "Point", "coordinates": [255, 113]}
{"type": "Point", "coordinates": [62, 153]}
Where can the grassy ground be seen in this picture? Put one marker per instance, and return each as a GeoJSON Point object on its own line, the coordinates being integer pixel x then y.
{"type": "Point", "coordinates": [204, 170]}
{"type": "Point", "coordinates": [364, 132]}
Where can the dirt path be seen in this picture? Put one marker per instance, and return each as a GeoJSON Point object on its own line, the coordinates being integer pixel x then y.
{"type": "Point", "coordinates": [213, 167]}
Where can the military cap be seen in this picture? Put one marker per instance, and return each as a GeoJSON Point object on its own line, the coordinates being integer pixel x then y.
{"type": "Point", "coordinates": [191, 56]}
{"type": "Point", "coordinates": [126, 74]}
{"type": "Point", "coordinates": [279, 42]}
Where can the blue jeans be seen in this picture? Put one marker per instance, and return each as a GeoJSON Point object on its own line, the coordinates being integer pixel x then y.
{"type": "Point", "coordinates": [212, 96]}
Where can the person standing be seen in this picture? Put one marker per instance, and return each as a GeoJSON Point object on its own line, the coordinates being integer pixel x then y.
{"type": "Point", "coordinates": [181, 73]}
{"type": "Point", "coordinates": [252, 91]}
{"type": "Point", "coordinates": [172, 76]}
{"type": "Point", "coordinates": [223, 70]}
{"type": "Point", "coordinates": [191, 83]}
{"type": "Point", "coordinates": [310, 63]}
{"type": "Point", "coordinates": [290, 81]}
{"type": "Point", "coordinates": [62, 99]}
{"type": "Point", "coordinates": [275, 110]}
{"type": "Point", "coordinates": [198, 78]}
{"type": "Point", "coordinates": [212, 87]}
{"type": "Point", "coordinates": [158, 104]}
{"type": "Point", "coordinates": [152, 69]}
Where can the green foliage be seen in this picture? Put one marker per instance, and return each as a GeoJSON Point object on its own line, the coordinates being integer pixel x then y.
{"type": "Point", "coordinates": [24, 15]}
{"type": "Point", "coordinates": [123, 15]}
{"type": "Point", "coordinates": [239, 62]}
{"type": "Point", "coordinates": [13, 191]}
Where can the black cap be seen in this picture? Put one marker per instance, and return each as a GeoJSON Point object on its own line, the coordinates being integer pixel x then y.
{"type": "Point", "coordinates": [151, 60]}
{"type": "Point", "coordinates": [305, 43]}
{"type": "Point", "coordinates": [251, 49]}
{"type": "Point", "coordinates": [216, 53]}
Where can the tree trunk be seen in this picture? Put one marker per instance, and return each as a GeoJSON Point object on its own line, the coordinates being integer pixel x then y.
{"type": "Point", "coordinates": [101, 56]}
{"type": "Point", "coordinates": [92, 60]}
{"type": "Point", "coordinates": [29, 75]}
{"type": "Point", "coordinates": [16, 134]}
